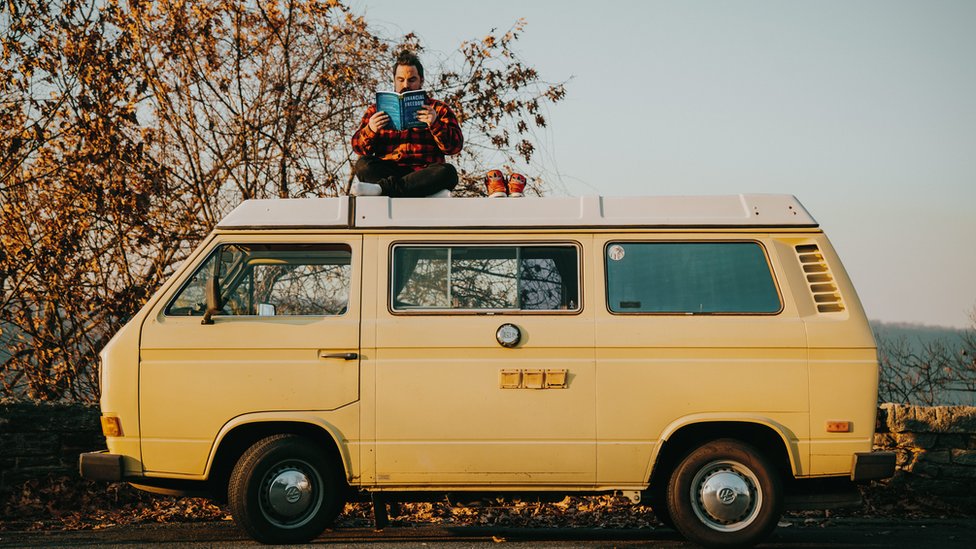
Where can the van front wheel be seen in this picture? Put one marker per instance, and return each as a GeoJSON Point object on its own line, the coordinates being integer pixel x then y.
{"type": "Point", "coordinates": [725, 494]}
{"type": "Point", "coordinates": [284, 489]}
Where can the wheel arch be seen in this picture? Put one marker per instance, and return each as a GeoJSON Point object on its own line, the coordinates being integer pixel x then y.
{"type": "Point", "coordinates": [775, 441]}
{"type": "Point", "coordinates": [242, 432]}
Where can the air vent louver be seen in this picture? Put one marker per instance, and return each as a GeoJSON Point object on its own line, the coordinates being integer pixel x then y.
{"type": "Point", "coordinates": [821, 282]}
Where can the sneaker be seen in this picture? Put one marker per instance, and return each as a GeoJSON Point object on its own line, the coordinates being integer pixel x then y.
{"type": "Point", "coordinates": [516, 185]}
{"type": "Point", "coordinates": [365, 189]}
{"type": "Point", "coordinates": [441, 194]}
{"type": "Point", "coordinates": [495, 184]}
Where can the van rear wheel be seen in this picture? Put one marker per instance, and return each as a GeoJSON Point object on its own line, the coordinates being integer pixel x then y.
{"type": "Point", "coordinates": [285, 489]}
{"type": "Point", "coordinates": [657, 498]}
{"type": "Point", "coordinates": [725, 494]}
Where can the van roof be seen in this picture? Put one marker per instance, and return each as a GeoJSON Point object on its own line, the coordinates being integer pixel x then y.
{"type": "Point", "coordinates": [380, 212]}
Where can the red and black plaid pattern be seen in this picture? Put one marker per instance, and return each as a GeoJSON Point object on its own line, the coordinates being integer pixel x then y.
{"type": "Point", "coordinates": [415, 147]}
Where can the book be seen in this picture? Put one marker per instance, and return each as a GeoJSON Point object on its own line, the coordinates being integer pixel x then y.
{"type": "Point", "coordinates": [402, 108]}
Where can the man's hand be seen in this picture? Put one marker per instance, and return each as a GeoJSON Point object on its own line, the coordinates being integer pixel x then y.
{"type": "Point", "coordinates": [427, 115]}
{"type": "Point", "coordinates": [378, 121]}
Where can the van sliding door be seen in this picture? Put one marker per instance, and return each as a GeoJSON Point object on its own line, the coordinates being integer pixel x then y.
{"type": "Point", "coordinates": [484, 370]}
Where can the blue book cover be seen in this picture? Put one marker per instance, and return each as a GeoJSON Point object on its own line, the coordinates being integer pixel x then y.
{"type": "Point", "coordinates": [402, 108]}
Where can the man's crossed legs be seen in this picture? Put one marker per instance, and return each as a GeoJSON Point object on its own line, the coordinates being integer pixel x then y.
{"type": "Point", "coordinates": [379, 177]}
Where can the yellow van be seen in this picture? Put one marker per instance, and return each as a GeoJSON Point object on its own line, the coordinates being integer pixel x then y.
{"type": "Point", "coordinates": [707, 356]}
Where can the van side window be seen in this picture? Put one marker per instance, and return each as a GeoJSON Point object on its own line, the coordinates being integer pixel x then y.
{"type": "Point", "coordinates": [530, 278]}
{"type": "Point", "coordinates": [689, 277]}
{"type": "Point", "coordinates": [271, 280]}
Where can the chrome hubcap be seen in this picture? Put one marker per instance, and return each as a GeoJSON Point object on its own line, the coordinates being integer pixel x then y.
{"type": "Point", "coordinates": [290, 493]}
{"type": "Point", "coordinates": [290, 497]}
{"type": "Point", "coordinates": [726, 496]}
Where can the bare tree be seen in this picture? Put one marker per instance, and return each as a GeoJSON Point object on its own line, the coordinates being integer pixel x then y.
{"type": "Point", "coordinates": [83, 226]}
{"type": "Point", "coordinates": [940, 372]}
{"type": "Point", "coordinates": [130, 127]}
{"type": "Point", "coordinates": [501, 102]}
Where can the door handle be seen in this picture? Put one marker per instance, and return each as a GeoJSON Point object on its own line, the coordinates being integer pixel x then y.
{"type": "Point", "coordinates": [344, 356]}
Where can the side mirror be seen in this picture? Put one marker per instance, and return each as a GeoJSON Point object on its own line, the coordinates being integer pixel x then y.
{"type": "Point", "coordinates": [213, 300]}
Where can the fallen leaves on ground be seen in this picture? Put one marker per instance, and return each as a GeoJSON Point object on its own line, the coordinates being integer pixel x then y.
{"type": "Point", "coordinates": [66, 503]}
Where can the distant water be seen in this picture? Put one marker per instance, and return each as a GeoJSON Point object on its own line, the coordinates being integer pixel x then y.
{"type": "Point", "coordinates": [919, 337]}
{"type": "Point", "coordinates": [959, 398]}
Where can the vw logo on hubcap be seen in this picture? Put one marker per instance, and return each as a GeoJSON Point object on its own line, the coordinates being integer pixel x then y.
{"type": "Point", "coordinates": [292, 494]}
{"type": "Point", "coordinates": [726, 496]}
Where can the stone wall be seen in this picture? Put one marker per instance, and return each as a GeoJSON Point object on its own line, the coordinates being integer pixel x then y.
{"type": "Point", "coordinates": [41, 439]}
{"type": "Point", "coordinates": [936, 446]}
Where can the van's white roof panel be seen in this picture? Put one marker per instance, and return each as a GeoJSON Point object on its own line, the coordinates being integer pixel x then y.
{"type": "Point", "coordinates": [289, 213]}
{"type": "Point", "coordinates": [744, 210]}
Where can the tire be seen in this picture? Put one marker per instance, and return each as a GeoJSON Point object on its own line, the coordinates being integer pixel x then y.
{"type": "Point", "coordinates": [725, 494]}
{"type": "Point", "coordinates": [657, 498]}
{"type": "Point", "coordinates": [285, 489]}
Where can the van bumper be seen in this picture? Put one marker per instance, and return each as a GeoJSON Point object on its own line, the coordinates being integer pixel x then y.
{"type": "Point", "coordinates": [100, 466]}
{"type": "Point", "coordinates": [873, 466]}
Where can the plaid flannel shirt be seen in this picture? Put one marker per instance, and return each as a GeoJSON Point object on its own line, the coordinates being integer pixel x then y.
{"type": "Point", "coordinates": [414, 148]}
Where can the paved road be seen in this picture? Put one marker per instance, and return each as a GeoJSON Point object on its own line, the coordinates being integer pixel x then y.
{"type": "Point", "coordinates": [838, 533]}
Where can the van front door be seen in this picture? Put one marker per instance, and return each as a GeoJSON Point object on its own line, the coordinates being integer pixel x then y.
{"type": "Point", "coordinates": [286, 338]}
{"type": "Point", "coordinates": [484, 370]}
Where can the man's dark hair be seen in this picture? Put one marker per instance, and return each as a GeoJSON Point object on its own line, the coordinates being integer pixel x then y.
{"type": "Point", "coordinates": [409, 58]}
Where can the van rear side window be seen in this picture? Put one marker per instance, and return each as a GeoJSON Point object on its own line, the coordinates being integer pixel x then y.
{"type": "Point", "coordinates": [473, 278]}
{"type": "Point", "coordinates": [690, 278]}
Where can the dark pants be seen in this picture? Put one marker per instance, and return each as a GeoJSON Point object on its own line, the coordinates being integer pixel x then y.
{"type": "Point", "coordinates": [400, 181]}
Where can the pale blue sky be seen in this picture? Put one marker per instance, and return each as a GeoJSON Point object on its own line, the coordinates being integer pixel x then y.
{"type": "Point", "coordinates": [863, 109]}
